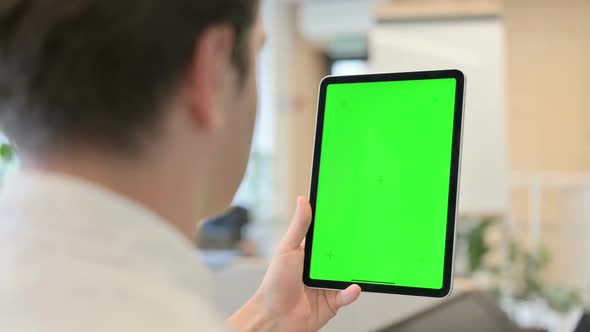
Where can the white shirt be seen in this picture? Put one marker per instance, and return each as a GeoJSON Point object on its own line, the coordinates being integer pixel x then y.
{"type": "Point", "coordinates": [75, 257]}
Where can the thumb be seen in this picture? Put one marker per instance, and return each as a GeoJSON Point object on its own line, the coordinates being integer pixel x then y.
{"type": "Point", "coordinates": [299, 226]}
{"type": "Point", "coordinates": [347, 296]}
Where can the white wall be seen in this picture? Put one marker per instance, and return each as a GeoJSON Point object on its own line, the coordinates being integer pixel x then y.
{"type": "Point", "coordinates": [476, 46]}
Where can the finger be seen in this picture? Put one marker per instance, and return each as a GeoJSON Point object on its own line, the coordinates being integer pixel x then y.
{"type": "Point", "coordinates": [347, 296]}
{"type": "Point", "coordinates": [299, 226]}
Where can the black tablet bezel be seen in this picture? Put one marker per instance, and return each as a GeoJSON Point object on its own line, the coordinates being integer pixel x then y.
{"type": "Point", "coordinates": [453, 184]}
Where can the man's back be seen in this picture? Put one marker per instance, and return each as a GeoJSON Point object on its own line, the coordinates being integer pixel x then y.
{"type": "Point", "coordinates": [79, 258]}
{"type": "Point", "coordinates": [156, 101]}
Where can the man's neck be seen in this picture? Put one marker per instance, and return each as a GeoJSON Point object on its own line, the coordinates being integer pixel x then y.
{"type": "Point", "coordinates": [146, 182]}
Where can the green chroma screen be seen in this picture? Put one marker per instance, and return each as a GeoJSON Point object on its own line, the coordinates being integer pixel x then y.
{"type": "Point", "coordinates": [383, 186]}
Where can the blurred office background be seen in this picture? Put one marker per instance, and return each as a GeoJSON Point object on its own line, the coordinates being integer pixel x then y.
{"type": "Point", "coordinates": [523, 258]}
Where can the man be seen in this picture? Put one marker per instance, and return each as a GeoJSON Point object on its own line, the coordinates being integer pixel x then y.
{"type": "Point", "coordinates": [133, 119]}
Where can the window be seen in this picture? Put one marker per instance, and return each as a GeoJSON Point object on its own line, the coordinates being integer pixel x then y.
{"type": "Point", "coordinates": [255, 193]}
{"type": "Point", "coordinates": [350, 67]}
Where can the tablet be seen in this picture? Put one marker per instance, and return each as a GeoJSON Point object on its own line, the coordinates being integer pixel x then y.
{"type": "Point", "coordinates": [384, 184]}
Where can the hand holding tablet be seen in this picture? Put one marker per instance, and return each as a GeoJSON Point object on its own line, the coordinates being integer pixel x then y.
{"type": "Point", "coordinates": [385, 183]}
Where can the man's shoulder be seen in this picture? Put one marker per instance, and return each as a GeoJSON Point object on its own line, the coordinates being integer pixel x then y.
{"type": "Point", "coordinates": [83, 296]}
{"type": "Point", "coordinates": [84, 264]}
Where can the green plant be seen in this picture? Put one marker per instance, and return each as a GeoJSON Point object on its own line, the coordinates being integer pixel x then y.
{"type": "Point", "coordinates": [6, 153]}
{"type": "Point", "coordinates": [7, 157]}
{"type": "Point", "coordinates": [476, 244]}
{"type": "Point", "coordinates": [526, 269]}
{"type": "Point", "coordinates": [523, 270]}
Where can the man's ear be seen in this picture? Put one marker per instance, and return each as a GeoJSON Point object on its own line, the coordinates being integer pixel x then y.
{"type": "Point", "coordinates": [207, 74]}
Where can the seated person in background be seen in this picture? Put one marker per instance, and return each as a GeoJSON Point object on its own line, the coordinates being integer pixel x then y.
{"type": "Point", "coordinates": [124, 114]}
{"type": "Point", "coordinates": [224, 232]}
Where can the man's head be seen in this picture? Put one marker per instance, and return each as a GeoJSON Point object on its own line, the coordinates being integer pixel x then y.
{"type": "Point", "coordinates": [117, 79]}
